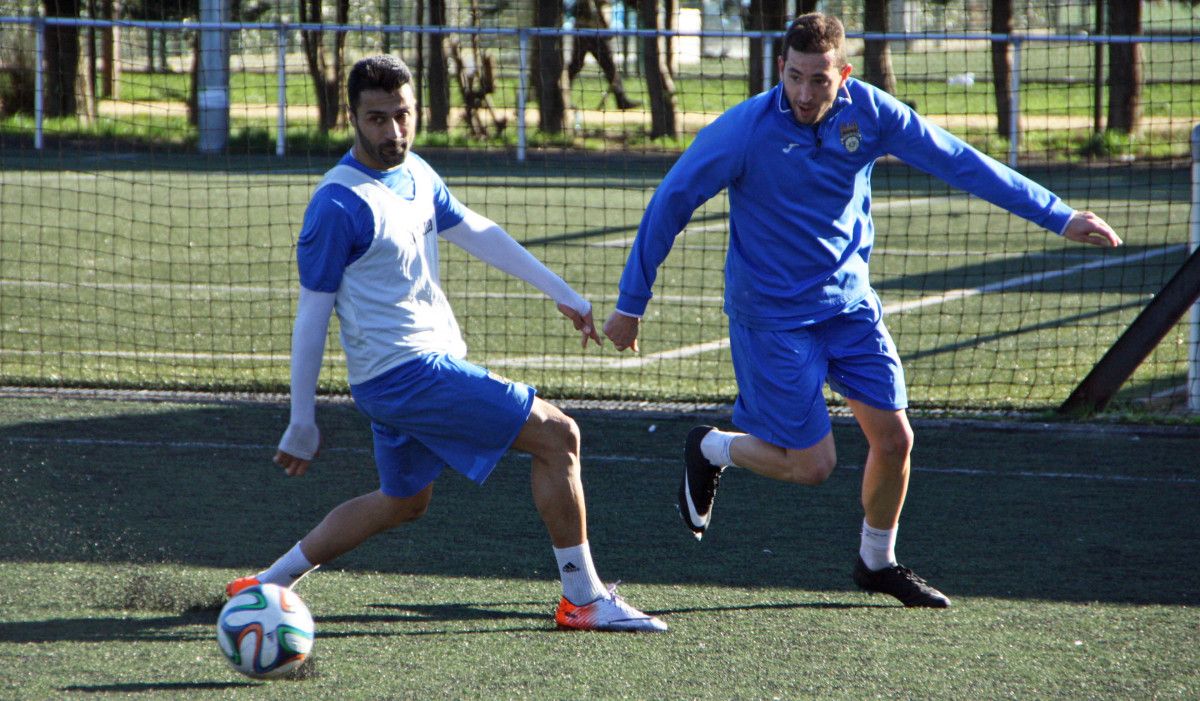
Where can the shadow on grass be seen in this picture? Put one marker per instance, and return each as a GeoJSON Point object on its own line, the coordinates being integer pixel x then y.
{"type": "Point", "coordinates": [166, 687]}
{"type": "Point", "coordinates": [153, 483]}
{"type": "Point", "coordinates": [107, 628]}
{"type": "Point", "coordinates": [818, 605]}
{"type": "Point", "coordinates": [167, 628]}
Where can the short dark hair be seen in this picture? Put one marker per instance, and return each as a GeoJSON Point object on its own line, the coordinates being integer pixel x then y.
{"type": "Point", "coordinates": [816, 33]}
{"type": "Point", "coordinates": [383, 72]}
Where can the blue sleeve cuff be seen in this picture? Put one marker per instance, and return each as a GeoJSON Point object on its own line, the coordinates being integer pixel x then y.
{"type": "Point", "coordinates": [1058, 212]}
{"type": "Point", "coordinates": [630, 305]}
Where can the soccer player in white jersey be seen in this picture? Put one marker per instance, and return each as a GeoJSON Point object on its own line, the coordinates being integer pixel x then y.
{"type": "Point", "coordinates": [368, 249]}
{"type": "Point", "coordinates": [796, 163]}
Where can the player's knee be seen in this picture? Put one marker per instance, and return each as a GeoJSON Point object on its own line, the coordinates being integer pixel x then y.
{"type": "Point", "coordinates": [811, 470]}
{"type": "Point", "coordinates": [811, 466]}
{"type": "Point", "coordinates": [896, 445]}
{"type": "Point", "coordinates": [550, 434]}
{"type": "Point", "coordinates": [401, 511]}
{"type": "Point", "coordinates": [563, 436]}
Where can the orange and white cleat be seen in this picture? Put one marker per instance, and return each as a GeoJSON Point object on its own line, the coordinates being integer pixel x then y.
{"type": "Point", "coordinates": [608, 613]}
{"type": "Point", "coordinates": [239, 584]}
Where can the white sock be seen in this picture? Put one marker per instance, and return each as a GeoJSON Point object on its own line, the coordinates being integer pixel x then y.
{"type": "Point", "coordinates": [288, 569]}
{"type": "Point", "coordinates": [878, 548]}
{"type": "Point", "coordinates": [580, 583]}
{"type": "Point", "coordinates": [715, 446]}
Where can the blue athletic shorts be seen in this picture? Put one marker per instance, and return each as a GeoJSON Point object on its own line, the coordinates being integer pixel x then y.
{"type": "Point", "coordinates": [437, 411]}
{"type": "Point", "coordinates": [781, 374]}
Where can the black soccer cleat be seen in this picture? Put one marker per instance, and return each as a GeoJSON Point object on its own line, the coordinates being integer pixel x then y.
{"type": "Point", "coordinates": [698, 488]}
{"type": "Point", "coordinates": [901, 583]}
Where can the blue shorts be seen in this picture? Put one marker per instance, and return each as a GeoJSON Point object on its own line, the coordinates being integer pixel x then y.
{"type": "Point", "coordinates": [437, 411]}
{"type": "Point", "coordinates": [781, 374]}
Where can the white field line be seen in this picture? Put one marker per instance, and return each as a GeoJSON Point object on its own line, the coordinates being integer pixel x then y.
{"type": "Point", "coordinates": [637, 459]}
{"type": "Point", "coordinates": [289, 291]}
{"type": "Point", "coordinates": [565, 362]}
{"type": "Point", "coordinates": [955, 295]}
{"type": "Point", "coordinates": [636, 361]}
{"type": "Point", "coordinates": [280, 291]}
{"type": "Point", "coordinates": [161, 355]}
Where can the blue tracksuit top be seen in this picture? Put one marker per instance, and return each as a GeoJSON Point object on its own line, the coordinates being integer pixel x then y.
{"type": "Point", "coordinates": [800, 201]}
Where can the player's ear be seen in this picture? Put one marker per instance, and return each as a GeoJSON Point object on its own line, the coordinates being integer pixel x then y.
{"type": "Point", "coordinates": [846, 71]}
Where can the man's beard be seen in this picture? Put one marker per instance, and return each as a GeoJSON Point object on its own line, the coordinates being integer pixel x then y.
{"type": "Point", "coordinates": [390, 157]}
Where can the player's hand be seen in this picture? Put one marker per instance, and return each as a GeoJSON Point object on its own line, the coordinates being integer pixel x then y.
{"type": "Point", "coordinates": [301, 443]}
{"type": "Point", "coordinates": [583, 324]}
{"type": "Point", "coordinates": [1086, 227]}
{"type": "Point", "coordinates": [292, 465]}
{"type": "Point", "coordinates": [622, 330]}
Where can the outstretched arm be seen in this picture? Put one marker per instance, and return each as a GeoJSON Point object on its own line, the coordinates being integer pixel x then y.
{"type": "Point", "coordinates": [487, 241]}
{"type": "Point", "coordinates": [714, 160]}
{"type": "Point", "coordinates": [302, 441]}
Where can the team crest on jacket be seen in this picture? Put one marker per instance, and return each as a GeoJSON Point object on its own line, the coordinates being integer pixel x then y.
{"type": "Point", "coordinates": [851, 137]}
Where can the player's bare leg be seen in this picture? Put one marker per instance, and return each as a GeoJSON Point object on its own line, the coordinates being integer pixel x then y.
{"type": "Point", "coordinates": [707, 452]}
{"type": "Point", "coordinates": [810, 466]}
{"type": "Point", "coordinates": [884, 488]}
{"type": "Point", "coordinates": [885, 477]}
{"type": "Point", "coordinates": [552, 440]}
{"type": "Point", "coordinates": [343, 529]}
{"type": "Point", "coordinates": [354, 521]}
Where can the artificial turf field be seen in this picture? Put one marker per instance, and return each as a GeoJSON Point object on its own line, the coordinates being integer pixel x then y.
{"type": "Point", "coordinates": [1067, 550]}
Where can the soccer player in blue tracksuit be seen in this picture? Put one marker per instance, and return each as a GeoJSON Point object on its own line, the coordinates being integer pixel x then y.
{"type": "Point", "coordinates": [796, 162]}
{"type": "Point", "coordinates": [369, 250]}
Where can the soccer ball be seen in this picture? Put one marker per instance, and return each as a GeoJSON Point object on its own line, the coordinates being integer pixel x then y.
{"type": "Point", "coordinates": [265, 631]}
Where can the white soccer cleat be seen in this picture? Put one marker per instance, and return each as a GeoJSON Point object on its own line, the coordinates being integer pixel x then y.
{"type": "Point", "coordinates": [608, 613]}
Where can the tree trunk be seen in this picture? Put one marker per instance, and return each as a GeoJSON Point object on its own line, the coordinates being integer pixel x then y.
{"type": "Point", "coordinates": [764, 16]}
{"type": "Point", "coordinates": [549, 78]}
{"type": "Point", "coordinates": [1125, 68]}
{"type": "Point", "coordinates": [876, 56]}
{"type": "Point", "coordinates": [110, 52]}
{"type": "Point", "coordinates": [418, 70]}
{"type": "Point", "coordinates": [659, 86]}
{"type": "Point", "coordinates": [62, 61]}
{"type": "Point", "coordinates": [670, 11]}
{"type": "Point", "coordinates": [327, 79]}
{"type": "Point", "coordinates": [1002, 64]}
{"type": "Point", "coordinates": [439, 76]}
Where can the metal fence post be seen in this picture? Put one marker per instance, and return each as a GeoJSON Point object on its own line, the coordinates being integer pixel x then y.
{"type": "Point", "coordinates": [1014, 109]}
{"type": "Point", "coordinates": [212, 93]}
{"type": "Point", "coordinates": [281, 75]}
{"type": "Point", "coordinates": [522, 90]}
{"type": "Point", "coordinates": [39, 88]}
{"type": "Point", "coordinates": [767, 63]}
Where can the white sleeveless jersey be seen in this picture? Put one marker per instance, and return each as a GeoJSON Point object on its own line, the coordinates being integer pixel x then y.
{"type": "Point", "coordinates": [390, 304]}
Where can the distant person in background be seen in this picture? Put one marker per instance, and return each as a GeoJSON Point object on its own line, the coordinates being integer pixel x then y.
{"type": "Point", "coordinates": [796, 162]}
{"type": "Point", "coordinates": [590, 15]}
{"type": "Point", "coordinates": [369, 250]}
